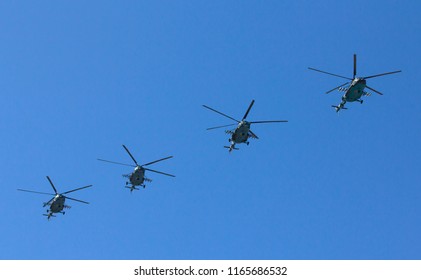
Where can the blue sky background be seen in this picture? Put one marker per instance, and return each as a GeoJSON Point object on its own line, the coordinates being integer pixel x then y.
{"type": "Point", "coordinates": [80, 78]}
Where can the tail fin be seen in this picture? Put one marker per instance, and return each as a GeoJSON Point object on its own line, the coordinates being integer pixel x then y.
{"type": "Point", "coordinates": [48, 215]}
{"type": "Point", "coordinates": [131, 188]}
{"type": "Point", "coordinates": [339, 108]}
{"type": "Point", "coordinates": [230, 148]}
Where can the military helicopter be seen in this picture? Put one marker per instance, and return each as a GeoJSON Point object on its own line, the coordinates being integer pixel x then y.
{"type": "Point", "coordinates": [242, 132]}
{"type": "Point", "coordinates": [57, 202]}
{"type": "Point", "coordinates": [355, 90]}
{"type": "Point", "coordinates": [137, 177]}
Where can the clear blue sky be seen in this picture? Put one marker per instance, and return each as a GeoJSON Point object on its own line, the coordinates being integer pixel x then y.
{"type": "Point", "coordinates": [80, 78]}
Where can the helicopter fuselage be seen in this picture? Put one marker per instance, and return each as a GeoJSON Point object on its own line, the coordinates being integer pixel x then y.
{"type": "Point", "coordinates": [138, 176]}
{"type": "Point", "coordinates": [57, 204]}
{"type": "Point", "coordinates": [241, 133]}
{"type": "Point", "coordinates": [355, 91]}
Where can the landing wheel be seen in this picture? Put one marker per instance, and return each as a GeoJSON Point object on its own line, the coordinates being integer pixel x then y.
{"type": "Point", "coordinates": [126, 183]}
{"type": "Point", "coordinates": [362, 101]}
{"type": "Point", "coordinates": [64, 213]}
{"type": "Point", "coordinates": [247, 143]}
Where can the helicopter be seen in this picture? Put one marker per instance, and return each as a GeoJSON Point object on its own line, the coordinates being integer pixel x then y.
{"type": "Point", "coordinates": [356, 88]}
{"type": "Point", "coordinates": [57, 202]}
{"type": "Point", "coordinates": [137, 177]}
{"type": "Point", "coordinates": [242, 132]}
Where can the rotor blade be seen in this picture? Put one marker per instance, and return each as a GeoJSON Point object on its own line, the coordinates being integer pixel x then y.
{"type": "Point", "coordinates": [336, 88]}
{"type": "Point", "coordinates": [127, 150]}
{"type": "Point", "coordinates": [116, 162]}
{"type": "Point", "coordinates": [329, 73]}
{"type": "Point", "coordinates": [355, 66]}
{"type": "Point", "coordinates": [220, 126]}
{"type": "Point", "coordinates": [152, 162]}
{"type": "Point", "coordinates": [248, 110]}
{"type": "Point", "coordinates": [52, 184]}
{"type": "Point", "coordinates": [220, 113]}
{"type": "Point", "coordinates": [267, 121]}
{"type": "Point", "coordinates": [159, 172]}
{"type": "Point", "coordinates": [378, 75]}
{"type": "Point", "coordinates": [76, 200]}
{"type": "Point", "coordinates": [378, 92]}
{"type": "Point", "coordinates": [77, 189]}
{"type": "Point", "coordinates": [35, 192]}
{"type": "Point", "coordinates": [254, 135]}
{"type": "Point", "coordinates": [48, 202]}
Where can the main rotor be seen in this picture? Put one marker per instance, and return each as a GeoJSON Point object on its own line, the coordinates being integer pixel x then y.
{"type": "Point", "coordinates": [137, 165]}
{"type": "Point", "coordinates": [243, 120]}
{"type": "Point", "coordinates": [354, 76]}
{"type": "Point", "coordinates": [57, 194]}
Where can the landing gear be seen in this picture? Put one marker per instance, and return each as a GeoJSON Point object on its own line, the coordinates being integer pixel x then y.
{"type": "Point", "coordinates": [247, 143]}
